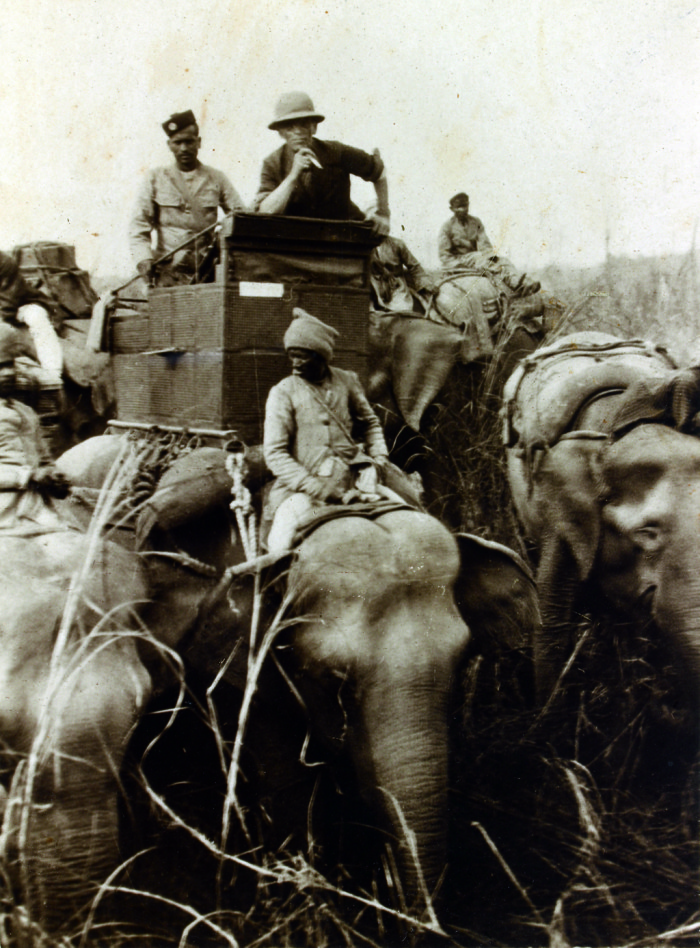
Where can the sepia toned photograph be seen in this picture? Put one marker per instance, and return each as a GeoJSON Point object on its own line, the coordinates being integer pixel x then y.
{"type": "Point", "coordinates": [349, 474]}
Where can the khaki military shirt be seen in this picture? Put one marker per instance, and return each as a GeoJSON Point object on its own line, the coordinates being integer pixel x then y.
{"type": "Point", "coordinates": [456, 240]}
{"type": "Point", "coordinates": [177, 205]}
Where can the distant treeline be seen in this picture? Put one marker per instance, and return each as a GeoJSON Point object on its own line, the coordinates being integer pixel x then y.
{"type": "Point", "coordinates": [654, 298]}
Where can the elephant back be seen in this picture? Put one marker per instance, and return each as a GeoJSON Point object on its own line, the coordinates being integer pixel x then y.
{"type": "Point", "coordinates": [194, 484]}
{"type": "Point", "coordinates": [463, 302]}
{"type": "Point", "coordinates": [87, 464]}
{"type": "Point", "coordinates": [542, 398]}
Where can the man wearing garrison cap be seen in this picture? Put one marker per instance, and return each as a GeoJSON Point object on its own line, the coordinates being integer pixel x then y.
{"type": "Point", "coordinates": [463, 245]}
{"type": "Point", "coordinates": [311, 420]}
{"type": "Point", "coordinates": [308, 177]}
{"type": "Point", "coordinates": [177, 202]}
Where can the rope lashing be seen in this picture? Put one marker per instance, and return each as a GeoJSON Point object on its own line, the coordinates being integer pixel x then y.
{"type": "Point", "coordinates": [242, 502]}
{"type": "Point", "coordinates": [152, 453]}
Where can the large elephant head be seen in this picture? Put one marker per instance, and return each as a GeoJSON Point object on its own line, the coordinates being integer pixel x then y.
{"type": "Point", "coordinates": [650, 534]}
{"type": "Point", "coordinates": [608, 499]}
{"type": "Point", "coordinates": [382, 614]}
{"type": "Point", "coordinates": [384, 603]}
{"type": "Point", "coordinates": [72, 688]}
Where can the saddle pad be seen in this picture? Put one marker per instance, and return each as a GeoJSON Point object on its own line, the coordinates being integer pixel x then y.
{"type": "Point", "coordinates": [335, 511]}
{"type": "Point", "coordinates": [543, 396]}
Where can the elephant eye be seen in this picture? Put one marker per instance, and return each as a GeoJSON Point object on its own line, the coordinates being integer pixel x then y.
{"type": "Point", "coordinates": [648, 538]}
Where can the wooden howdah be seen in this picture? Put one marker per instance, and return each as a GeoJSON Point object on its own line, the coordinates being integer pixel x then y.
{"type": "Point", "coordinates": [206, 355]}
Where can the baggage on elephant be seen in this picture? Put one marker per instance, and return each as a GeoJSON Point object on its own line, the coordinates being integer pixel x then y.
{"type": "Point", "coordinates": [51, 268]}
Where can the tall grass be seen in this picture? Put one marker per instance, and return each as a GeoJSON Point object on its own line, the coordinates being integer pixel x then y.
{"type": "Point", "coordinates": [225, 888]}
{"type": "Point", "coordinates": [573, 826]}
{"type": "Point", "coordinates": [648, 298]}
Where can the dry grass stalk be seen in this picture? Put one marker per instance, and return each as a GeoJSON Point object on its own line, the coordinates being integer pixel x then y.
{"type": "Point", "coordinates": [583, 807]}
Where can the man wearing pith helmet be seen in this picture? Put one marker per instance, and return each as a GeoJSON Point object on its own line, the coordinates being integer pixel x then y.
{"type": "Point", "coordinates": [308, 177]}
{"type": "Point", "coordinates": [312, 418]}
{"type": "Point", "coordinates": [177, 202]}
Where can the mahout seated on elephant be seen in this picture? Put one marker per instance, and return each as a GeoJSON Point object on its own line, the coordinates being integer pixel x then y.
{"type": "Point", "coordinates": [478, 286]}
{"type": "Point", "coordinates": [603, 461]}
{"type": "Point", "coordinates": [380, 615]}
{"type": "Point", "coordinates": [464, 246]}
{"type": "Point", "coordinates": [475, 300]}
{"type": "Point", "coordinates": [323, 442]}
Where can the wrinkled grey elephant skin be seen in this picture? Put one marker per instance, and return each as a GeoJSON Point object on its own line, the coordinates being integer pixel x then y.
{"type": "Point", "coordinates": [383, 612]}
{"type": "Point", "coordinates": [66, 710]}
{"type": "Point", "coordinates": [420, 370]}
{"type": "Point", "coordinates": [618, 516]}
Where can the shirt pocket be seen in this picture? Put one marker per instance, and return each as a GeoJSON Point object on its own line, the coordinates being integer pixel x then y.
{"type": "Point", "coordinates": [168, 196]}
{"type": "Point", "coordinates": [208, 198]}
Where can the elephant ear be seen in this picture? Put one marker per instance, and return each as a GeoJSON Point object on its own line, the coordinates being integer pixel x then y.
{"type": "Point", "coordinates": [423, 355]}
{"type": "Point", "coordinates": [497, 596]}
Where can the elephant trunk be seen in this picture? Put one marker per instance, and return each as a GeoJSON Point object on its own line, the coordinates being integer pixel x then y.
{"type": "Point", "coordinates": [388, 629]}
{"type": "Point", "coordinates": [558, 579]}
{"type": "Point", "coordinates": [678, 616]}
{"type": "Point", "coordinates": [408, 749]}
{"type": "Point", "coordinates": [62, 848]}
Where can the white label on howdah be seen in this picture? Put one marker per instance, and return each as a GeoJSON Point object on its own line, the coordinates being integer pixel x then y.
{"type": "Point", "coordinates": [272, 290]}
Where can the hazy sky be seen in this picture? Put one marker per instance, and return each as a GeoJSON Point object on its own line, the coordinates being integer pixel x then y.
{"type": "Point", "coordinates": [560, 119]}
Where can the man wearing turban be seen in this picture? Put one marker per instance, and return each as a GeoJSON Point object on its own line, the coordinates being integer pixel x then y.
{"type": "Point", "coordinates": [177, 202]}
{"type": "Point", "coordinates": [312, 418]}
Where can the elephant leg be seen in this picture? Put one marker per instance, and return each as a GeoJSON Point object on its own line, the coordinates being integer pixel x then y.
{"type": "Point", "coordinates": [61, 822]}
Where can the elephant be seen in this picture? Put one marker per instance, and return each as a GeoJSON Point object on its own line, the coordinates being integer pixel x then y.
{"type": "Point", "coordinates": [439, 408]}
{"type": "Point", "coordinates": [474, 303]}
{"type": "Point", "coordinates": [56, 717]}
{"type": "Point", "coordinates": [602, 463]}
{"type": "Point", "coordinates": [382, 610]}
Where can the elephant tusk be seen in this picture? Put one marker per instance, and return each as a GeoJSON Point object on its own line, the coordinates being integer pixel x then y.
{"type": "Point", "coordinates": [254, 565]}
